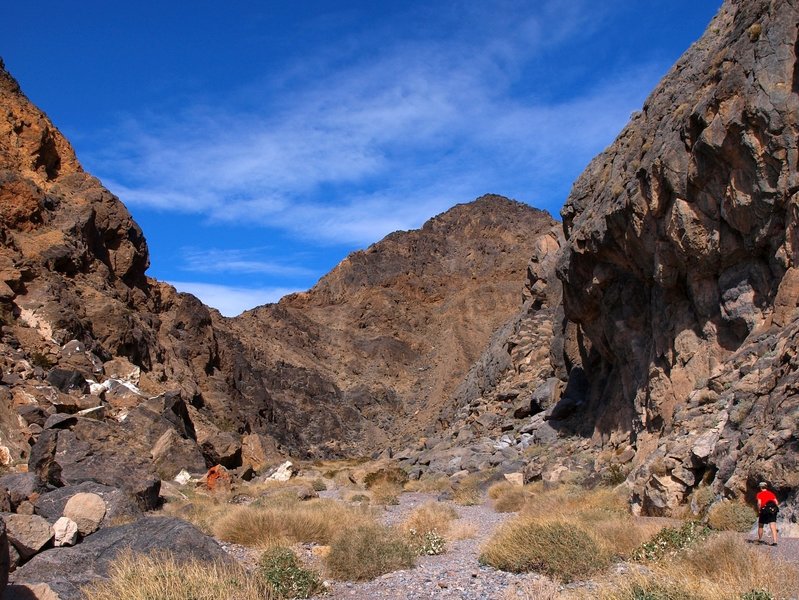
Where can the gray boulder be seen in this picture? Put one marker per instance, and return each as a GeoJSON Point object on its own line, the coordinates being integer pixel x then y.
{"type": "Point", "coordinates": [65, 570]}
{"type": "Point", "coordinates": [120, 504]}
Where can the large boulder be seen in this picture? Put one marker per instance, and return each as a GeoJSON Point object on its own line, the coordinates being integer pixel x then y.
{"type": "Point", "coordinates": [65, 570]}
{"type": "Point", "coordinates": [27, 533]}
{"type": "Point", "coordinates": [120, 505]}
{"type": "Point", "coordinates": [103, 452]}
{"type": "Point", "coordinates": [87, 510]}
{"type": "Point", "coordinates": [22, 487]}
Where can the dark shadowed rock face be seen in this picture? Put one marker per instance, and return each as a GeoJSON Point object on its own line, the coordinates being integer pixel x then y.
{"type": "Point", "coordinates": [682, 266]}
{"type": "Point", "coordinates": [672, 358]}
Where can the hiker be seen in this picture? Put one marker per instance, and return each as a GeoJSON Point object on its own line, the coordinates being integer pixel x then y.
{"type": "Point", "coordinates": [767, 512]}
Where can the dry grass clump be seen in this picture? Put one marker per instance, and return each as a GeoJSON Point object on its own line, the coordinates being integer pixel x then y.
{"type": "Point", "coordinates": [508, 497]}
{"type": "Point", "coordinates": [155, 576]}
{"type": "Point", "coordinates": [731, 516]}
{"type": "Point", "coordinates": [467, 490]}
{"type": "Point", "coordinates": [385, 493]}
{"type": "Point", "coordinates": [313, 521]}
{"type": "Point", "coordinates": [430, 485]}
{"type": "Point", "coordinates": [720, 568]}
{"type": "Point", "coordinates": [201, 510]}
{"type": "Point", "coordinates": [431, 516]}
{"type": "Point", "coordinates": [368, 551]}
{"type": "Point", "coordinates": [556, 547]}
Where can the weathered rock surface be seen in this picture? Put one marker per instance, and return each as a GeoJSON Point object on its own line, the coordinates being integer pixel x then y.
{"type": "Point", "coordinates": [120, 506]}
{"type": "Point", "coordinates": [65, 532]}
{"type": "Point", "coordinates": [66, 569]}
{"type": "Point", "coordinates": [87, 510]}
{"type": "Point", "coordinates": [672, 359]}
{"type": "Point", "coordinates": [27, 533]}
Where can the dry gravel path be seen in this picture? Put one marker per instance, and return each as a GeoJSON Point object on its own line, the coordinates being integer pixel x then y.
{"type": "Point", "coordinates": [456, 574]}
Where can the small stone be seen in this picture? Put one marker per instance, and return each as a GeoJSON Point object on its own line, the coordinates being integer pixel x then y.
{"type": "Point", "coordinates": [66, 532]}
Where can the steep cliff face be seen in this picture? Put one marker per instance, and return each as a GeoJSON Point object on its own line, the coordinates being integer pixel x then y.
{"type": "Point", "coordinates": [681, 267]}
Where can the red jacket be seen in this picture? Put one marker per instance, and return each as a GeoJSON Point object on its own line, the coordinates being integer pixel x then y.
{"type": "Point", "coordinates": [765, 497]}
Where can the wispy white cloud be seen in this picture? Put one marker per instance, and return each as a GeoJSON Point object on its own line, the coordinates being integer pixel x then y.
{"type": "Point", "coordinates": [244, 261]}
{"type": "Point", "coordinates": [229, 300]}
{"type": "Point", "coordinates": [385, 142]}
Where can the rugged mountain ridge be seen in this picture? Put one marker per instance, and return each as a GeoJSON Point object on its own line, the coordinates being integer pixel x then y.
{"type": "Point", "coordinates": [101, 362]}
{"type": "Point", "coordinates": [675, 360]}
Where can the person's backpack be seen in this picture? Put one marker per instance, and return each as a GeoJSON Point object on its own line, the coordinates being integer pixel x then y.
{"type": "Point", "coordinates": [770, 510]}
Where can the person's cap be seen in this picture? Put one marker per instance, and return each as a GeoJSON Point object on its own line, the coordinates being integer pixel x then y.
{"type": "Point", "coordinates": [763, 484]}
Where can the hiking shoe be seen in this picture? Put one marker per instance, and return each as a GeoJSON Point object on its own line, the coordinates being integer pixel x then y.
{"type": "Point", "coordinates": [773, 544]}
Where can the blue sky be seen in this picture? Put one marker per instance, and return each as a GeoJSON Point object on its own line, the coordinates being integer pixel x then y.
{"type": "Point", "coordinates": [258, 143]}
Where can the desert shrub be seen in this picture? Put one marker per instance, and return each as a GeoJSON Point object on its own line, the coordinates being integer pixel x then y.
{"type": "Point", "coordinates": [495, 490]}
{"type": "Point", "coordinates": [385, 493]}
{"type": "Point", "coordinates": [392, 475]}
{"type": "Point", "coordinates": [360, 498]}
{"type": "Point", "coordinates": [431, 516]}
{"type": "Point", "coordinates": [731, 516]}
{"type": "Point", "coordinates": [461, 530]}
{"type": "Point", "coordinates": [557, 548]}
{"type": "Point", "coordinates": [757, 595]}
{"type": "Point", "coordinates": [615, 474]}
{"type": "Point", "coordinates": [313, 521]}
{"type": "Point", "coordinates": [467, 491]}
{"type": "Point", "coordinates": [720, 567]}
{"type": "Point", "coordinates": [280, 568]}
{"type": "Point", "coordinates": [430, 484]}
{"type": "Point", "coordinates": [619, 535]}
{"type": "Point", "coordinates": [38, 359]}
{"type": "Point", "coordinates": [156, 576]}
{"type": "Point", "coordinates": [319, 485]}
{"type": "Point", "coordinates": [430, 543]}
{"type": "Point", "coordinates": [510, 499]}
{"type": "Point", "coordinates": [670, 540]}
{"type": "Point", "coordinates": [702, 499]}
{"type": "Point", "coordinates": [368, 551]}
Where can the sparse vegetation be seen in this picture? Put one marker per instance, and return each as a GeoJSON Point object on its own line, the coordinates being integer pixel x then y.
{"type": "Point", "coordinates": [160, 576]}
{"type": "Point", "coordinates": [669, 541]}
{"type": "Point", "coordinates": [721, 567]}
{"type": "Point", "coordinates": [390, 475]}
{"type": "Point", "coordinates": [508, 497]}
{"type": "Point", "coordinates": [731, 516]}
{"type": "Point", "coordinates": [39, 359]}
{"type": "Point", "coordinates": [385, 493]}
{"type": "Point", "coordinates": [286, 577]}
{"type": "Point", "coordinates": [467, 492]}
{"type": "Point", "coordinates": [431, 516]}
{"type": "Point", "coordinates": [313, 521]}
{"type": "Point", "coordinates": [557, 548]}
{"type": "Point", "coordinates": [319, 485]}
{"type": "Point", "coordinates": [368, 551]}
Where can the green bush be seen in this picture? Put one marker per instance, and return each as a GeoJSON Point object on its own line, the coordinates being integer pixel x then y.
{"type": "Point", "coordinates": [757, 595]}
{"type": "Point", "coordinates": [670, 541]}
{"type": "Point", "coordinates": [731, 516]}
{"type": "Point", "coordinates": [280, 568]}
{"type": "Point", "coordinates": [368, 551]}
{"type": "Point", "coordinates": [430, 543]}
{"type": "Point", "coordinates": [558, 549]}
{"type": "Point", "coordinates": [319, 485]}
